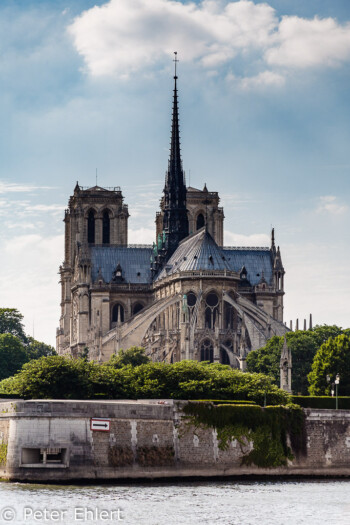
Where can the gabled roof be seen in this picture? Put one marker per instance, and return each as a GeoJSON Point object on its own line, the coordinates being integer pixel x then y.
{"type": "Point", "coordinates": [197, 252]}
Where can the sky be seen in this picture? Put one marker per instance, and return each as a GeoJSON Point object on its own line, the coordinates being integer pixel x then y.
{"type": "Point", "coordinates": [264, 116]}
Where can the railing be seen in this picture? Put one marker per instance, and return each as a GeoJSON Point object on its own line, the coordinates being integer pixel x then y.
{"type": "Point", "coordinates": [107, 188]}
{"type": "Point", "coordinates": [248, 248]}
{"type": "Point", "coordinates": [125, 286]}
{"type": "Point", "coordinates": [208, 273]}
{"type": "Point", "coordinates": [144, 246]}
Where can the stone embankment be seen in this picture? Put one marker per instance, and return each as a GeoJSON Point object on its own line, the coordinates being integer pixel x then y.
{"type": "Point", "coordinates": [46, 440]}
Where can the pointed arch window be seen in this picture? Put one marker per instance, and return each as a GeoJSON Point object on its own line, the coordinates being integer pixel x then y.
{"type": "Point", "coordinates": [118, 313]}
{"type": "Point", "coordinates": [207, 351]}
{"type": "Point", "coordinates": [200, 221]}
{"type": "Point", "coordinates": [229, 316]}
{"type": "Point", "coordinates": [211, 310]}
{"type": "Point", "coordinates": [224, 358]}
{"type": "Point", "coordinates": [106, 228]}
{"type": "Point", "coordinates": [137, 308]}
{"type": "Point", "coordinates": [91, 227]}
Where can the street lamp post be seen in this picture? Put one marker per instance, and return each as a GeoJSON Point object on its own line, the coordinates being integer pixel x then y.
{"type": "Point", "coordinates": [337, 380]}
{"type": "Point", "coordinates": [336, 383]}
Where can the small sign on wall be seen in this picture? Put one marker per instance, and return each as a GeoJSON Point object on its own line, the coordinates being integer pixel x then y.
{"type": "Point", "coordinates": [100, 424]}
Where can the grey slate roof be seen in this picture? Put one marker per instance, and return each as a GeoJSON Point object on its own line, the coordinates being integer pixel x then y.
{"type": "Point", "coordinates": [196, 252]}
{"type": "Point", "coordinates": [256, 261]}
{"type": "Point", "coordinates": [133, 260]}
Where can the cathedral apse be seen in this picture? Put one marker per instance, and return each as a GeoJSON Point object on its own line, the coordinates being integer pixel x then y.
{"type": "Point", "coordinates": [187, 296]}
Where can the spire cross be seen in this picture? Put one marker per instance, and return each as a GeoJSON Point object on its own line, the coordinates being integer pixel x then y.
{"type": "Point", "coordinates": [176, 61]}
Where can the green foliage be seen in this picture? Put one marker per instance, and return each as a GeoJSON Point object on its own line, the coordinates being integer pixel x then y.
{"type": "Point", "coordinates": [85, 354]}
{"type": "Point", "coordinates": [322, 333]}
{"type": "Point", "coordinates": [15, 347]}
{"type": "Point", "coordinates": [266, 360]}
{"type": "Point", "coordinates": [303, 345]}
{"type": "Point", "coordinates": [134, 356]}
{"type": "Point", "coordinates": [332, 358]}
{"type": "Point", "coordinates": [51, 377]}
{"type": "Point", "coordinates": [60, 377]}
{"type": "Point", "coordinates": [11, 322]}
{"type": "Point", "coordinates": [227, 401]}
{"type": "Point", "coordinates": [36, 349]}
{"type": "Point", "coordinates": [267, 428]}
{"type": "Point", "coordinates": [3, 454]}
{"type": "Point", "coordinates": [12, 355]}
{"type": "Point", "coordinates": [322, 402]}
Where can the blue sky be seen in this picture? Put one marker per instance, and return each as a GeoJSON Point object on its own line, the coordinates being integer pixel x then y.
{"type": "Point", "coordinates": [264, 108]}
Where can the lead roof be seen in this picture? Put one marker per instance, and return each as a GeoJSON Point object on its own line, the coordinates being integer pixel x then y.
{"type": "Point", "coordinates": [135, 263]}
{"type": "Point", "coordinates": [197, 252]}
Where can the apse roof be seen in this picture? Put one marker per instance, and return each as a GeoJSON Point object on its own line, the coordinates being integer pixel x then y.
{"type": "Point", "coordinates": [135, 263]}
{"type": "Point", "coordinates": [196, 252]}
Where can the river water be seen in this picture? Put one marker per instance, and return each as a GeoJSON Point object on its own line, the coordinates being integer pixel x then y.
{"type": "Point", "coordinates": [192, 503]}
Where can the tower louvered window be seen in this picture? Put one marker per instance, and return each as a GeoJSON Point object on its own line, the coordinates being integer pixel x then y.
{"type": "Point", "coordinates": [91, 227]}
{"type": "Point", "coordinates": [106, 228]}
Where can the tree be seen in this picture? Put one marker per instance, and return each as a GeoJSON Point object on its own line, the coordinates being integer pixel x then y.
{"type": "Point", "coordinates": [323, 332]}
{"type": "Point", "coordinates": [11, 323]}
{"type": "Point", "coordinates": [303, 344]}
{"type": "Point", "coordinates": [36, 349]}
{"type": "Point", "coordinates": [266, 360]}
{"type": "Point", "coordinates": [12, 355]}
{"type": "Point", "coordinates": [332, 358]}
{"type": "Point", "coordinates": [134, 356]}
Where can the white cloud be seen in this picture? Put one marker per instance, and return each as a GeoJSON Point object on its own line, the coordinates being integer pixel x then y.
{"type": "Point", "coordinates": [255, 239]}
{"type": "Point", "coordinates": [330, 204]}
{"type": "Point", "coordinates": [141, 236]}
{"type": "Point", "coordinates": [308, 43]}
{"type": "Point", "coordinates": [53, 208]}
{"type": "Point", "coordinates": [263, 79]}
{"type": "Point", "coordinates": [13, 187]}
{"type": "Point", "coordinates": [29, 281]}
{"type": "Point", "coordinates": [123, 36]}
{"type": "Point", "coordinates": [316, 282]}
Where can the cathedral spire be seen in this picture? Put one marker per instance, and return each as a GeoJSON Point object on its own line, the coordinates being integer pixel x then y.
{"type": "Point", "coordinates": [175, 163]}
{"type": "Point", "coordinates": [175, 221]}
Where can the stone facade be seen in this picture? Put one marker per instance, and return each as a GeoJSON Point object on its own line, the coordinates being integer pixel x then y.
{"type": "Point", "coordinates": [52, 440]}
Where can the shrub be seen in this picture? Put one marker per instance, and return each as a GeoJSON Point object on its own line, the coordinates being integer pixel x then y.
{"type": "Point", "coordinates": [322, 402]}
{"type": "Point", "coordinates": [61, 377]}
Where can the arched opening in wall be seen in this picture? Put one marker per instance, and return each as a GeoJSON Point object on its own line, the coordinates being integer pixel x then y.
{"type": "Point", "coordinates": [207, 351]}
{"type": "Point", "coordinates": [191, 302]}
{"type": "Point", "coordinates": [229, 316]}
{"type": "Point", "coordinates": [191, 299]}
{"type": "Point", "coordinates": [200, 221]}
{"type": "Point", "coordinates": [224, 358]}
{"type": "Point", "coordinates": [91, 227]}
{"type": "Point", "coordinates": [106, 228]}
{"type": "Point", "coordinates": [211, 310]}
{"type": "Point", "coordinates": [118, 313]}
{"type": "Point", "coordinates": [137, 308]}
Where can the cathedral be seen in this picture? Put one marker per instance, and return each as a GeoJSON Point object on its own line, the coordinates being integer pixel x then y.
{"type": "Point", "coordinates": [185, 297]}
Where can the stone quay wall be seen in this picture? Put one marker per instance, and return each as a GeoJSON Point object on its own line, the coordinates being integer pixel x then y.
{"type": "Point", "coordinates": [46, 440]}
